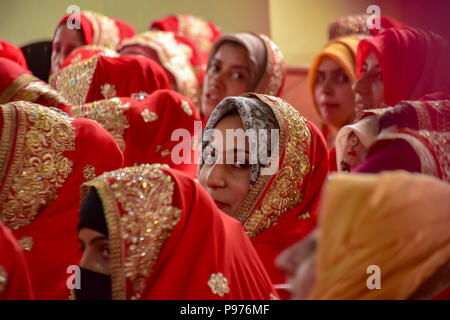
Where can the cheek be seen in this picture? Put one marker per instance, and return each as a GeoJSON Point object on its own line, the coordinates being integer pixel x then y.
{"type": "Point", "coordinates": [235, 88]}
{"type": "Point", "coordinates": [317, 92]}
{"type": "Point", "coordinates": [240, 186]}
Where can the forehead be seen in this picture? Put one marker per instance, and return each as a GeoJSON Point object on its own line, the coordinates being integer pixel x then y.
{"type": "Point", "coordinates": [328, 64]}
{"type": "Point", "coordinates": [232, 54]}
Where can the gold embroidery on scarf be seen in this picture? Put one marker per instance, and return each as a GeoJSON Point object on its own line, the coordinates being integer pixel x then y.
{"type": "Point", "coordinates": [105, 30]}
{"type": "Point", "coordinates": [304, 216]}
{"type": "Point", "coordinates": [89, 172]}
{"type": "Point", "coordinates": [145, 194]}
{"type": "Point", "coordinates": [165, 153]}
{"type": "Point", "coordinates": [186, 108]}
{"type": "Point", "coordinates": [158, 147]}
{"type": "Point", "coordinates": [3, 279]}
{"type": "Point", "coordinates": [195, 29]}
{"type": "Point", "coordinates": [26, 243]}
{"type": "Point", "coordinates": [108, 90]}
{"type": "Point", "coordinates": [218, 284]}
{"type": "Point", "coordinates": [76, 59]}
{"type": "Point", "coordinates": [110, 114]}
{"type": "Point", "coordinates": [8, 134]}
{"type": "Point", "coordinates": [440, 146]}
{"type": "Point", "coordinates": [34, 90]}
{"type": "Point", "coordinates": [73, 82]}
{"type": "Point", "coordinates": [39, 167]}
{"type": "Point", "coordinates": [284, 192]}
{"type": "Point", "coordinates": [174, 57]}
{"type": "Point", "coordinates": [149, 116]}
{"type": "Point", "coordinates": [8, 93]}
{"type": "Point", "coordinates": [423, 116]}
{"type": "Point", "coordinates": [275, 67]}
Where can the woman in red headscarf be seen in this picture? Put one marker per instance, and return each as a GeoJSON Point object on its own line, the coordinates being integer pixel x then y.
{"type": "Point", "coordinates": [160, 236]}
{"type": "Point", "coordinates": [136, 125]}
{"type": "Point", "coordinates": [15, 283]}
{"type": "Point", "coordinates": [45, 158]}
{"type": "Point", "coordinates": [13, 53]}
{"type": "Point", "coordinates": [240, 63]}
{"type": "Point", "coordinates": [90, 75]}
{"type": "Point", "coordinates": [17, 83]}
{"type": "Point", "coordinates": [275, 199]}
{"type": "Point", "coordinates": [193, 31]}
{"type": "Point", "coordinates": [86, 28]}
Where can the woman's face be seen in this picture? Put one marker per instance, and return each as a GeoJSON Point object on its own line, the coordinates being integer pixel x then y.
{"type": "Point", "coordinates": [333, 94]}
{"type": "Point", "coordinates": [369, 88]}
{"type": "Point", "coordinates": [227, 75]}
{"type": "Point", "coordinates": [95, 247]}
{"type": "Point", "coordinates": [299, 263]}
{"type": "Point", "coordinates": [64, 42]}
{"type": "Point", "coordinates": [227, 182]}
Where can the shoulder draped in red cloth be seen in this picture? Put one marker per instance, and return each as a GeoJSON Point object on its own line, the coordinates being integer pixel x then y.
{"type": "Point", "coordinates": [13, 53]}
{"type": "Point", "coordinates": [143, 128]}
{"type": "Point", "coordinates": [18, 84]}
{"type": "Point", "coordinates": [413, 62]}
{"type": "Point", "coordinates": [15, 283]}
{"type": "Point", "coordinates": [91, 77]}
{"type": "Point", "coordinates": [201, 253]}
{"type": "Point", "coordinates": [48, 157]}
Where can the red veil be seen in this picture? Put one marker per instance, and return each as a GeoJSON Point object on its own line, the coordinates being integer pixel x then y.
{"type": "Point", "coordinates": [168, 240]}
{"type": "Point", "coordinates": [15, 280]}
{"type": "Point", "coordinates": [281, 209]}
{"type": "Point", "coordinates": [101, 77]}
{"type": "Point", "coordinates": [44, 158]}
{"type": "Point", "coordinates": [99, 29]}
{"type": "Point", "coordinates": [17, 83]}
{"type": "Point", "coordinates": [13, 53]}
{"type": "Point", "coordinates": [413, 62]}
{"type": "Point", "coordinates": [143, 128]}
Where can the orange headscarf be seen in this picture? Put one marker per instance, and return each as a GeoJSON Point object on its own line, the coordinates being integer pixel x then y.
{"type": "Point", "coordinates": [397, 221]}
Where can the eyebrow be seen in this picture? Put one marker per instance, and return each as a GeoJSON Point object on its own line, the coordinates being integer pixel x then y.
{"type": "Point", "coordinates": [94, 240]}
{"type": "Point", "coordinates": [234, 66]}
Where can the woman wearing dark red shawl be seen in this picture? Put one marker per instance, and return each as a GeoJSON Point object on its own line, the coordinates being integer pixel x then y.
{"type": "Point", "coordinates": [143, 128]}
{"type": "Point", "coordinates": [90, 76]}
{"type": "Point", "coordinates": [279, 207]}
{"type": "Point", "coordinates": [160, 236]}
{"type": "Point", "coordinates": [17, 83]}
{"type": "Point", "coordinates": [93, 29]}
{"type": "Point", "coordinates": [44, 158]}
{"type": "Point", "coordinates": [13, 53]}
{"type": "Point", "coordinates": [15, 283]}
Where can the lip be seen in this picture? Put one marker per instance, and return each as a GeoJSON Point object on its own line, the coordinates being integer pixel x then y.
{"type": "Point", "coordinates": [221, 205]}
{"type": "Point", "coordinates": [213, 97]}
{"type": "Point", "coordinates": [330, 105]}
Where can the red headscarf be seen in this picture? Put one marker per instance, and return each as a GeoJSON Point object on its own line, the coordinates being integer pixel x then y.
{"type": "Point", "coordinates": [15, 283]}
{"type": "Point", "coordinates": [196, 32]}
{"type": "Point", "coordinates": [101, 77]}
{"type": "Point", "coordinates": [13, 53]}
{"type": "Point", "coordinates": [17, 83]}
{"type": "Point", "coordinates": [413, 62]}
{"type": "Point", "coordinates": [201, 253]}
{"type": "Point", "coordinates": [143, 128]}
{"type": "Point", "coordinates": [99, 29]}
{"type": "Point", "coordinates": [49, 156]}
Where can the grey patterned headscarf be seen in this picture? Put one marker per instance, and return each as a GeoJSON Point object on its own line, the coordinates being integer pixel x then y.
{"type": "Point", "coordinates": [254, 114]}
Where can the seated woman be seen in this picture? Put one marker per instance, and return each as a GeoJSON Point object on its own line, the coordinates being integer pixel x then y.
{"type": "Point", "coordinates": [18, 84]}
{"type": "Point", "coordinates": [388, 241]}
{"type": "Point", "coordinates": [15, 282]}
{"type": "Point", "coordinates": [149, 232]}
{"type": "Point", "coordinates": [240, 63]}
{"type": "Point", "coordinates": [94, 29]}
{"type": "Point", "coordinates": [49, 156]}
{"type": "Point", "coordinates": [13, 53]}
{"type": "Point", "coordinates": [398, 64]}
{"type": "Point", "coordinates": [331, 77]}
{"type": "Point", "coordinates": [271, 184]}
{"type": "Point", "coordinates": [172, 54]}
{"type": "Point", "coordinates": [91, 73]}
{"type": "Point", "coordinates": [143, 128]}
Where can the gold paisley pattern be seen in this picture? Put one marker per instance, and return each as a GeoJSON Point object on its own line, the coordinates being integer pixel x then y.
{"type": "Point", "coordinates": [108, 90]}
{"type": "Point", "coordinates": [110, 114]}
{"type": "Point", "coordinates": [3, 279]}
{"type": "Point", "coordinates": [218, 284]}
{"type": "Point", "coordinates": [186, 108]}
{"type": "Point", "coordinates": [73, 82]}
{"type": "Point", "coordinates": [275, 68]}
{"type": "Point", "coordinates": [105, 30]}
{"type": "Point", "coordinates": [38, 168]}
{"type": "Point", "coordinates": [149, 116]}
{"type": "Point", "coordinates": [284, 189]}
{"type": "Point", "coordinates": [26, 243]}
{"type": "Point", "coordinates": [89, 172]}
{"type": "Point", "coordinates": [144, 195]}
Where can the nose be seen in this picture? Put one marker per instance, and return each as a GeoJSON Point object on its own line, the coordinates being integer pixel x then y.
{"type": "Point", "coordinates": [327, 88]}
{"type": "Point", "coordinates": [217, 80]}
{"type": "Point", "coordinates": [361, 86]}
{"type": "Point", "coordinates": [216, 177]}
